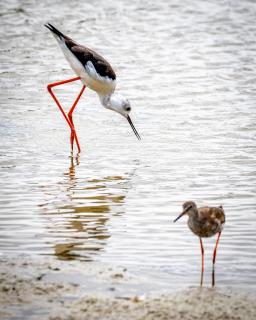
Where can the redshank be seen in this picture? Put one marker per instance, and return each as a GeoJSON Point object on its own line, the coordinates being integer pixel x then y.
{"type": "Point", "coordinates": [204, 222]}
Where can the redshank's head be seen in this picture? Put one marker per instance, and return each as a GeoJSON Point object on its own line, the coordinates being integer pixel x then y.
{"type": "Point", "coordinates": [189, 207]}
{"type": "Point", "coordinates": [120, 104]}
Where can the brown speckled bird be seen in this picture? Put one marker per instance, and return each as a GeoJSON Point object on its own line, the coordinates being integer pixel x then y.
{"type": "Point", "coordinates": [204, 222]}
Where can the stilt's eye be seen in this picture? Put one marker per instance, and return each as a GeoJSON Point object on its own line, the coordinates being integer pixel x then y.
{"type": "Point", "coordinates": [128, 109]}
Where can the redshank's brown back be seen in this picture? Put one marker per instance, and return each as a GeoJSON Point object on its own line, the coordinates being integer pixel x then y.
{"type": "Point", "coordinates": [206, 221]}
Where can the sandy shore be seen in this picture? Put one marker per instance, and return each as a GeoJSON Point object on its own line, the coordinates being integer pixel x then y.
{"type": "Point", "coordinates": [27, 293]}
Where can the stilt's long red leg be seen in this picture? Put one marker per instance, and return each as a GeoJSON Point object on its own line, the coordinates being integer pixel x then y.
{"type": "Point", "coordinates": [69, 118]}
{"type": "Point", "coordinates": [215, 249]}
{"type": "Point", "coordinates": [202, 270]}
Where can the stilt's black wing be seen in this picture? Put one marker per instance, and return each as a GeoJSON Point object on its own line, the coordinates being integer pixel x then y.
{"type": "Point", "coordinates": [84, 54]}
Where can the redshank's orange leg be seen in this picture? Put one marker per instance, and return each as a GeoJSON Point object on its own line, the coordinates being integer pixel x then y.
{"type": "Point", "coordinates": [215, 249]}
{"type": "Point", "coordinates": [213, 276]}
{"type": "Point", "coordinates": [214, 259]}
{"type": "Point", "coordinates": [202, 270]}
{"type": "Point", "coordinates": [70, 123]}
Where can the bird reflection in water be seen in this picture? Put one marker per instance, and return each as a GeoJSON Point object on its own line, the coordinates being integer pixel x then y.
{"type": "Point", "coordinates": [78, 228]}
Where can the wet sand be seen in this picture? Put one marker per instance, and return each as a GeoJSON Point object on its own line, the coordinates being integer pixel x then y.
{"type": "Point", "coordinates": [27, 292]}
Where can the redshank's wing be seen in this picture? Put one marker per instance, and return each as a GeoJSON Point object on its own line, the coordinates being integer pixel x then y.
{"type": "Point", "coordinates": [212, 215]}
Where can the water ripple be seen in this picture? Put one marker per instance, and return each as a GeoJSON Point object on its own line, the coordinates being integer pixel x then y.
{"type": "Point", "coordinates": [188, 69]}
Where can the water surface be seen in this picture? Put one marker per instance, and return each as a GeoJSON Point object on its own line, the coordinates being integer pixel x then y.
{"type": "Point", "coordinates": [188, 69]}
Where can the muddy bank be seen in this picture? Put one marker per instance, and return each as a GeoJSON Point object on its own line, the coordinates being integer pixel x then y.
{"type": "Point", "coordinates": [30, 290]}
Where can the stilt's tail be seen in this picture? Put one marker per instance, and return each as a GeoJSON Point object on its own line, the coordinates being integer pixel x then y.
{"type": "Point", "coordinates": [55, 31]}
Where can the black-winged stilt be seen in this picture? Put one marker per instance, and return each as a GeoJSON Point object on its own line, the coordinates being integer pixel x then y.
{"type": "Point", "coordinates": [95, 73]}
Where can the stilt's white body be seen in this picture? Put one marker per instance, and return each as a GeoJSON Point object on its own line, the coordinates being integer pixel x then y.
{"type": "Point", "coordinates": [89, 76]}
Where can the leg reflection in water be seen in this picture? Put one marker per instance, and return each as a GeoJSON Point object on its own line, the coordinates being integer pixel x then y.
{"type": "Point", "coordinates": [78, 226]}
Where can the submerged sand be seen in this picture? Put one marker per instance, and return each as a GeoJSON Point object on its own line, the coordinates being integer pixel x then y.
{"type": "Point", "coordinates": [26, 294]}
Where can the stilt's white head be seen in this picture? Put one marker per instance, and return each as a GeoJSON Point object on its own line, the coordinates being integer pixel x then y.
{"type": "Point", "coordinates": [120, 104]}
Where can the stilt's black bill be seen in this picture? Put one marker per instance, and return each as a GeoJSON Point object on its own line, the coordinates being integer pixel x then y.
{"type": "Point", "coordinates": [133, 128]}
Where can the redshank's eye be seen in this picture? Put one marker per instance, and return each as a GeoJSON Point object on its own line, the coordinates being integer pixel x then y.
{"type": "Point", "coordinates": [128, 109]}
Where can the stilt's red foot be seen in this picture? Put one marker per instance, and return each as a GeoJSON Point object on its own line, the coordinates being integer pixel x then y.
{"type": "Point", "coordinates": [72, 137]}
{"type": "Point", "coordinates": [69, 119]}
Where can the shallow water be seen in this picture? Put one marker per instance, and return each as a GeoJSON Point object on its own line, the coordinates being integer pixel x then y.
{"type": "Point", "coordinates": [188, 69]}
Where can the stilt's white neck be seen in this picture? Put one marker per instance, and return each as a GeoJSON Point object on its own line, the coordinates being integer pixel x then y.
{"type": "Point", "coordinates": [105, 100]}
{"type": "Point", "coordinates": [116, 102]}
